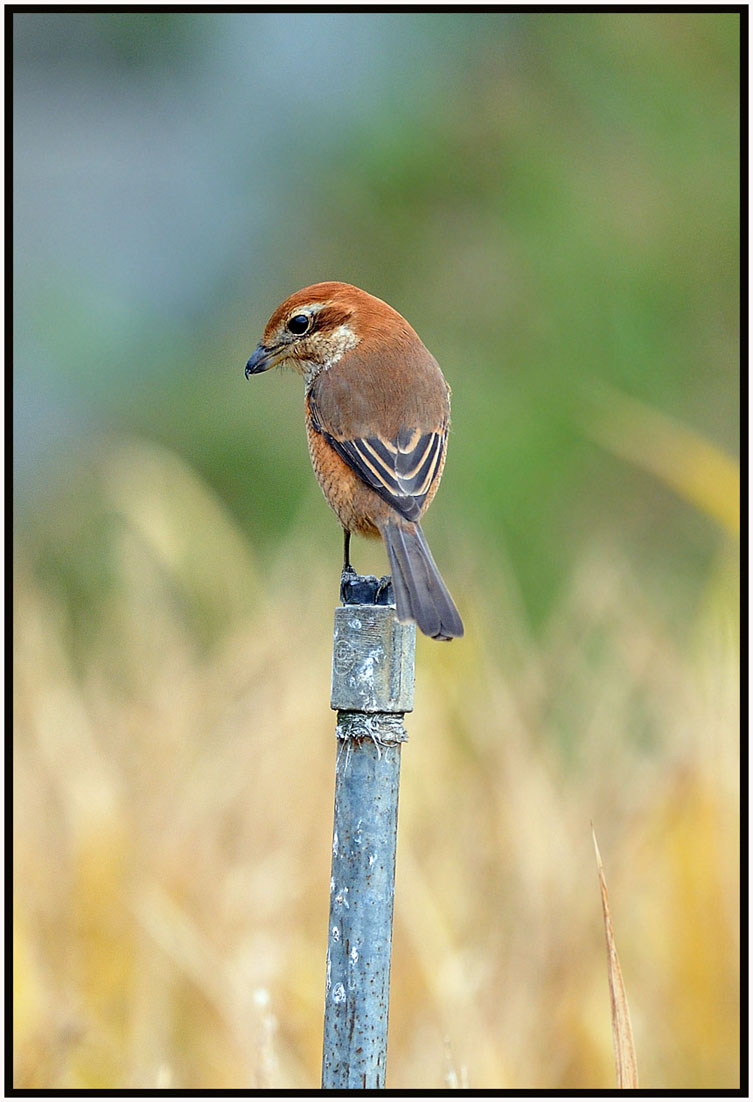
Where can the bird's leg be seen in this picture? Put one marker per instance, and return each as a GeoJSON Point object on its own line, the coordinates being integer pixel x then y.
{"type": "Point", "coordinates": [349, 594]}
{"type": "Point", "coordinates": [360, 589]}
{"type": "Point", "coordinates": [349, 575]}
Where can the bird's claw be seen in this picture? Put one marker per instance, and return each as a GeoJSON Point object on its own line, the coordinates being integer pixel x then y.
{"type": "Point", "coordinates": [385, 594]}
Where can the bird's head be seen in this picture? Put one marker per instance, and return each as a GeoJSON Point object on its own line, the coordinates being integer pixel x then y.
{"type": "Point", "coordinates": [315, 327]}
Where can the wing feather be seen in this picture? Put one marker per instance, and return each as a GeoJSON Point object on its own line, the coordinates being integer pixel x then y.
{"type": "Point", "coordinates": [402, 471]}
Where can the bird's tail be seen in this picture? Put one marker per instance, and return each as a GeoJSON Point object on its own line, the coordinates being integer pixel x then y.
{"type": "Point", "coordinates": [420, 593]}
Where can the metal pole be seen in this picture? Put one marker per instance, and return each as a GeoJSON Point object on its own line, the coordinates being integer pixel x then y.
{"type": "Point", "coordinates": [372, 687]}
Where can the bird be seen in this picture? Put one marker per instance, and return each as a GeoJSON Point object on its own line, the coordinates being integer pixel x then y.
{"type": "Point", "coordinates": [377, 411]}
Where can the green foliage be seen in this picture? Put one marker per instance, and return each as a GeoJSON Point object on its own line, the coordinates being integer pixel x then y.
{"type": "Point", "coordinates": [553, 204]}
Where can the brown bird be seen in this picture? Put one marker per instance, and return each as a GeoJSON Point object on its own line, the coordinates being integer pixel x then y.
{"type": "Point", "coordinates": [377, 416]}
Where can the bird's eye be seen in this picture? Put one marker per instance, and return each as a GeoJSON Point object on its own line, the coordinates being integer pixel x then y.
{"type": "Point", "coordinates": [299, 324]}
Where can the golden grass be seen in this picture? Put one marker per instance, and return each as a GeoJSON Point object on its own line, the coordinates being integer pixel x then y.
{"type": "Point", "coordinates": [173, 808]}
{"type": "Point", "coordinates": [626, 1065]}
{"type": "Point", "coordinates": [691, 465]}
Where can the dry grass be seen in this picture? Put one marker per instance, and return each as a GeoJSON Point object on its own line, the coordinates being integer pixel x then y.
{"type": "Point", "coordinates": [626, 1065]}
{"type": "Point", "coordinates": [173, 809]}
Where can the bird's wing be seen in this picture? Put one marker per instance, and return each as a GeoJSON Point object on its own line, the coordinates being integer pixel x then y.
{"type": "Point", "coordinates": [401, 470]}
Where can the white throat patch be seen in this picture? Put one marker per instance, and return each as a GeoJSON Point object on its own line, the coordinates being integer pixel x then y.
{"type": "Point", "coordinates": [333, 347]}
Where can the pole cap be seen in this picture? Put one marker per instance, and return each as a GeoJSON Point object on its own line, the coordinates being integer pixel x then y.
{"type": "Point", "coordinates": [373, 660]}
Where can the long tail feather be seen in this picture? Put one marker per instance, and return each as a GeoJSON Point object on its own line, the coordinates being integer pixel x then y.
{"type": "Point", "coordinates": [420, 593]}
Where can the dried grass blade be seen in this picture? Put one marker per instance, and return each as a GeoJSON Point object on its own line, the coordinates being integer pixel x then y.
{"type": "Point", "coordinates": [622, 1033]}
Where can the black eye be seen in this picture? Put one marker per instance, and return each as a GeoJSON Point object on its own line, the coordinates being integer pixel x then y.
{"type": "Point", "coordinates": [298, 324]}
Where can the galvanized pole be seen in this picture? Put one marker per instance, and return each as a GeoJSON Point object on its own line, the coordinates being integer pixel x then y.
{"type": "Point", "coordinates": [372, 687]}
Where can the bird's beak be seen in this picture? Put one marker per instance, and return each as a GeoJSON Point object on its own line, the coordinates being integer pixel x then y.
{"type": "Point", "coordinates": [262, 359]}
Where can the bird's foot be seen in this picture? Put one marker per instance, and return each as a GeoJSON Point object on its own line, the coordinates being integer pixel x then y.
{"type": "Point", "coordinates": [365, 589]}
{"type": "Point", "coordinates": [385, 594]}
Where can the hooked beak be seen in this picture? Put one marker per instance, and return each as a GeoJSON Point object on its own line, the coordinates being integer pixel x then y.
{"type": "Point", "coordinates": [262, 359]}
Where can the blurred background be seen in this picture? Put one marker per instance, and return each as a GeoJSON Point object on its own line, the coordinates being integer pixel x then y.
{"type": "Point", "coordinates": [552, 200]}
